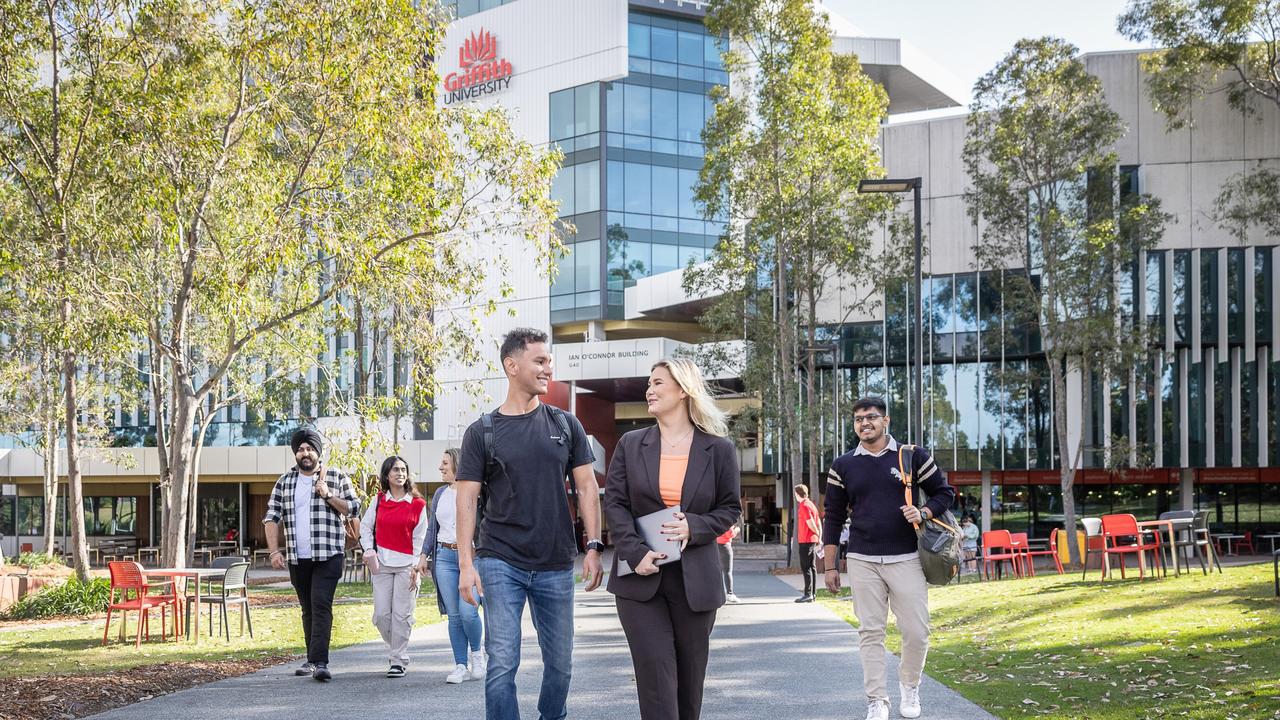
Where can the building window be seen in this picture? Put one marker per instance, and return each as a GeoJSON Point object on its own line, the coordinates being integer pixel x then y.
{"type": "Point", "coordinates": [1209, 297]}
{"type": "Point", "coordinates": [1154, 295]}
{"type": "Point", "coordinates": [465, 8]}
{"type": "Point", "coordinates": [1235, 295]}
{"type": "Point", "coordinates": [1181, 296]}
{"type": "Point", "coordinates": [1263, 277]}
{"type": "Point", "coordinates": [30, 516]}
{"type": "Point", "coordinates": [7, 519]}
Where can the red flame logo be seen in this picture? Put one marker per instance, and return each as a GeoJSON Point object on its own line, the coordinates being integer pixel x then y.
{"type": "Point", "coordinates": [477, 49]}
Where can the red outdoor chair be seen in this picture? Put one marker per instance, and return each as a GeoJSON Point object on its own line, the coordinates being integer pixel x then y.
{"type": "Point", "coordinates": [1246, 541]}
{"type": "Point", "coordinates": [1030, 554]}
{"type": "Point", "coordinates": [997, 547]}
{"type": "Point", "coordinates": [127, 578]}
{"type": "Point", "coordinates": [26, 548]}
{"type": "Point", "coordinates": [1120, 536]}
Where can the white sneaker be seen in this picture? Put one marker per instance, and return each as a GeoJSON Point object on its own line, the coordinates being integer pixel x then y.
{"type": "Point", "coordinates": [878, 710]}
{"type": "Point", "coordinates": [909, 707]}
{"type": "Point", "coordinates": [479, 665]}
{"type": "Point", "coordinates": [731, 599]}
{"type": "Point", "coordinates": [458, 676]}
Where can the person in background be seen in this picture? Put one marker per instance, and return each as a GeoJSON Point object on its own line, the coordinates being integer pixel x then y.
{"type": "Point", "coordinates": [807, 534]}
{"type": "Point", "coordinates": [311, 502]}
{"type": "Point", "coordinates": [466, 631]}
{"type": "Point", "coordinates": [725, 543]}
{"type": "Point", "coordinates": [969, 543]}
{"type": "Point", "coordinates": [391, 532]}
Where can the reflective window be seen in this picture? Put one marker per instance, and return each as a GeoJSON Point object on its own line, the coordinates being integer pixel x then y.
{"type": "Point", "coordinates": [1182, 295]}
{"type": "Point", "coordinates": [1249, 414]}
{"type": "Point", "coordinates": [1169, 402]}
{"type": "Point", "coordinates": [7, 513]}
{"type": "Point", "coordinates": [464, 8]}
{"type": "Point", "coordinates": [991, 409]}
{"type": "Point", "coordinates": [1222, 425]}
{"type": "Point", "coordinates": [30, 516]}
{"type": "Point", "coordinates": [1154, 292]}
{"type": "Point", "coordinates": [1263, 277]}
{"type": "Point", "coordinates": [968, 416]}
{"type": "Point", "coordinates": [1235, 294]}
{"type": "Point", "coordinates": [1269, 506]}
{"type": "Point", "coordinates": [1209, 297]}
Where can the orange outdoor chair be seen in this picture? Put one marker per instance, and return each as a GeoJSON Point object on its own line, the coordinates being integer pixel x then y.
{"type": "Point", "coordinates": [127, 578]}
{"type": "Point", "coordinates": [997, 547]}
{"type": "Point", "coordinates": [1052, 552]}
{"type": "Point", "coordinates": [1246, 541]}
{"type": "Point", "coordinates": [1121, 536]}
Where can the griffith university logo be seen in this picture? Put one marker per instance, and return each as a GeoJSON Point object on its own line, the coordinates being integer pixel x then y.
{"type": "Point", "coordinates": [480, 71]}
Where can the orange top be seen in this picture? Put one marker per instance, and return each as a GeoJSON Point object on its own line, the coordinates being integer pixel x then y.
{"type": "Point", "coordinates": [671, 471]}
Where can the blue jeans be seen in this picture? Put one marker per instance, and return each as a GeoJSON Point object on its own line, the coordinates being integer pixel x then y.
{"type": "Point", "coordinates": [550, 597]}
{"type": "Point", "coordinates": [464, 618]}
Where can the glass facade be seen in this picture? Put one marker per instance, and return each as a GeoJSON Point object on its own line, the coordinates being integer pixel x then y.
{"type": "Point", "coordinates": [463, 8]}
{"type": "Point", "coordinates": [630, 193]}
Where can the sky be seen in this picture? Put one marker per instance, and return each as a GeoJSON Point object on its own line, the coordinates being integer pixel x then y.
{"type": "Point", "coordinates": [968, 37]}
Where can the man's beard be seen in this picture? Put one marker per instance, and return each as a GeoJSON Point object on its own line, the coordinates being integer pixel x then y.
{"type": "Point", "coordinates": [306, 464]}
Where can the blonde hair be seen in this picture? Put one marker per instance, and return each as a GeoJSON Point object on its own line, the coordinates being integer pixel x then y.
{"type": "Point", "coordinates": [704, 413]}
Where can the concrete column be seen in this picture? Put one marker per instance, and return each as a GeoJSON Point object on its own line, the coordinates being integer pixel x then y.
{"type": "Point", "coordinates": [1186, 488]}
{"type": "Point", "coordinates": [986, 501]}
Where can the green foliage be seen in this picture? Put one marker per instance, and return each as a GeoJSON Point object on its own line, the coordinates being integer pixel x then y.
{"type": "Point", "coordinates": [1045, 189]}
{"type": "Point", "coordinates": [35, 559]}
{"type": "Point", "coordinates": [70, 598]}
{"type": "Point", "coordinates": [1209, 44]}
{"type": "Point", "coordinates": [784, 154]}
{"type": "Point", "coordinates": [1211, 47]}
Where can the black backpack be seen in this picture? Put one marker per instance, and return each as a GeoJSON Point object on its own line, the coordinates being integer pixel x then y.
{"type": "Point", "coordinates": [493, 465]}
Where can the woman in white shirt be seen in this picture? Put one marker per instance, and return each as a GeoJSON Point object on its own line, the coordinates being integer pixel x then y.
{"type": "Point", "coordinates": [392, 532]}
{"type": "Point", "coordinates": [465, 628]}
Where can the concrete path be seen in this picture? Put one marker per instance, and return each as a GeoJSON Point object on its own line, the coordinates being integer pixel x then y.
{"type": "Point", "coordinates": [770, 659]}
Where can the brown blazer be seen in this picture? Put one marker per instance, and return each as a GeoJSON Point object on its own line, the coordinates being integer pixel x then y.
{"type": "Point", "coordinates": [709, 500]}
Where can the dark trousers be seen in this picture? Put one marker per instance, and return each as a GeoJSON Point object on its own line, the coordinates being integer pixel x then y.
{"type": "Point", "coordinates": [726, 565]}
{"type": "Point", "coordinates": [315, 582]}
{"type": "Point", "coordinates": [669, 646]}
{"type": "Point", "coordinates": [807, 568]}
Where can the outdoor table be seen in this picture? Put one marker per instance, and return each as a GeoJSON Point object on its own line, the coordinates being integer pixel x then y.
{"type": "Point", "coordinates": [144, 552]}
{"type": "Point", "coordinates": [1173, 543]}
{"type": "Point", "coordinates": [1226, 538]}
{"type": "Point", "coordinates": [1272, 538]}
{"type": "Point", "coordinates": [197, 574]}
{"type": "Point", "coordinates": [206, 552]}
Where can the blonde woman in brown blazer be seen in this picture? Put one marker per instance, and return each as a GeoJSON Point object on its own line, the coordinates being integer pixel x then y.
{"type": "Point", "coordinates": [668, 611]}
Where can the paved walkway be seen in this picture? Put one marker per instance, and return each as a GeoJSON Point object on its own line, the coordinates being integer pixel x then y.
{"type": "Point", "coordinates": [770, 658]}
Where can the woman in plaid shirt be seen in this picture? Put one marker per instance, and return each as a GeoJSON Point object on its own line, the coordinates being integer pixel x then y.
{"type": "Point", "coordinates": [311, 501]}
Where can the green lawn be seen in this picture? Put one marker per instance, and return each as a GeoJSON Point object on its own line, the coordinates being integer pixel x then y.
{"type": "Point", "coordinates": [1053, 646]}
{"type": "Point", "coordinates": [76, 648]}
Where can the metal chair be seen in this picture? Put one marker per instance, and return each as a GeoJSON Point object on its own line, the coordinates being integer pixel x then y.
{"type": "Point", "coordinates": [1183, 537]}
{"type": "Point", "coordinates": [233, 590]}
{"type": "Point", "coordinates": [1203, 540]}
{"type": "Point", "coordinates": [1092, 541]}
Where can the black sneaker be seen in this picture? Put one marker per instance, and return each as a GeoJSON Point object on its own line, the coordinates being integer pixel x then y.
{"type": "Point", "coordinates": [395, 671]}
{"type": "Point", "coordinates": [322, 673]}
{"type": "Point", "coordinates": [305, 670]}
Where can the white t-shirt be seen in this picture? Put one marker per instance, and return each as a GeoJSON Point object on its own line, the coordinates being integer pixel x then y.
{"type": "Point", "coordinates": [302, 493]}
{"type": "Point", "coordinates": [447, 515]}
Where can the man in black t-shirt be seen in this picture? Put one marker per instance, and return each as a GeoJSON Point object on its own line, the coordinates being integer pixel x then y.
{"type": "Point", "coordinates": [527, 547]}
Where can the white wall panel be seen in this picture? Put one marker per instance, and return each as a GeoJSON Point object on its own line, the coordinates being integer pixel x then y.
{"type": "Point", "coordinates": [1118, 73]}
{"type": "Point", "coordinates": [1172, 184]}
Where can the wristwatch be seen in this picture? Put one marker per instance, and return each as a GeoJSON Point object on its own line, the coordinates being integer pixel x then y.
{"type": "Point", "coordinates": [595, 544]}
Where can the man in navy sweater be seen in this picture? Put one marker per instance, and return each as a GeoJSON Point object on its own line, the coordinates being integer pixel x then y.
{"type": "Point", "coordinates": [884, 566]}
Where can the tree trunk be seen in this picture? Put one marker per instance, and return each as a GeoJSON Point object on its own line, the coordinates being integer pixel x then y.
{"type": "Point", "coordinates": [50, 453]}
{"type": "Point", "coordinates": [173, 546]}
{"type": "Point", "coordinates": [786, 381]}
{"type": "Point", "coordinates": [79, 542]}
{"type": "Point", "coordinates": [1067, 473]}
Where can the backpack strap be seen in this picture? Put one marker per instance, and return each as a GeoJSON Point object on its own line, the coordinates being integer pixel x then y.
{"type": "Point", "coordinates": [486, 424]}
{"type": "Point", "coordinates": [566, 434]}
{"type": "Point", "coordinates": [907, 471]}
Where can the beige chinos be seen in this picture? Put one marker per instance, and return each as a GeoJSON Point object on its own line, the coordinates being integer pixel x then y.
{"type": "Point", "coordinates": [877, 588]}
{"type": "Point", "coordinates": [394, 600]}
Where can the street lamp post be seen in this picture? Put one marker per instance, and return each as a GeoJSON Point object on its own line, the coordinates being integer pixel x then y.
{"type": "Point", "coordinates": [902, 185]}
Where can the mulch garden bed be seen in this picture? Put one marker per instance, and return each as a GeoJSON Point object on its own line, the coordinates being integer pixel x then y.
{"type": "Point", "coordinates": [76, 696]}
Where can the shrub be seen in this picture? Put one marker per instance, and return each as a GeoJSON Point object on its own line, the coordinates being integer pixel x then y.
{"type": "Point", "coordinates": [70, 598]}
{"type": "Point", "coordinates": [34, 559]}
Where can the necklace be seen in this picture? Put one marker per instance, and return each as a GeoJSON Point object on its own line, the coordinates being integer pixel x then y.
{"type": "Point", "coordinates": [677, 442]}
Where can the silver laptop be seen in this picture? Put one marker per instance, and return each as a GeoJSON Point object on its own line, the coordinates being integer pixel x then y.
{"type": "Point", "coordinates": [650, 528]}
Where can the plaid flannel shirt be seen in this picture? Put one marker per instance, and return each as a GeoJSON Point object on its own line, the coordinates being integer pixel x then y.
{"type": "Point", "coordinates": [328, 537]}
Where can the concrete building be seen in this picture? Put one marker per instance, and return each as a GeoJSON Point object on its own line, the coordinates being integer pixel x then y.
{"type": "Point", "coordinates": [623, 88]}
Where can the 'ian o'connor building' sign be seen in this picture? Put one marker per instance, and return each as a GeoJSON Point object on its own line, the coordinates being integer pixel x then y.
{"type": "Point", "coordinates": [480, 70]}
